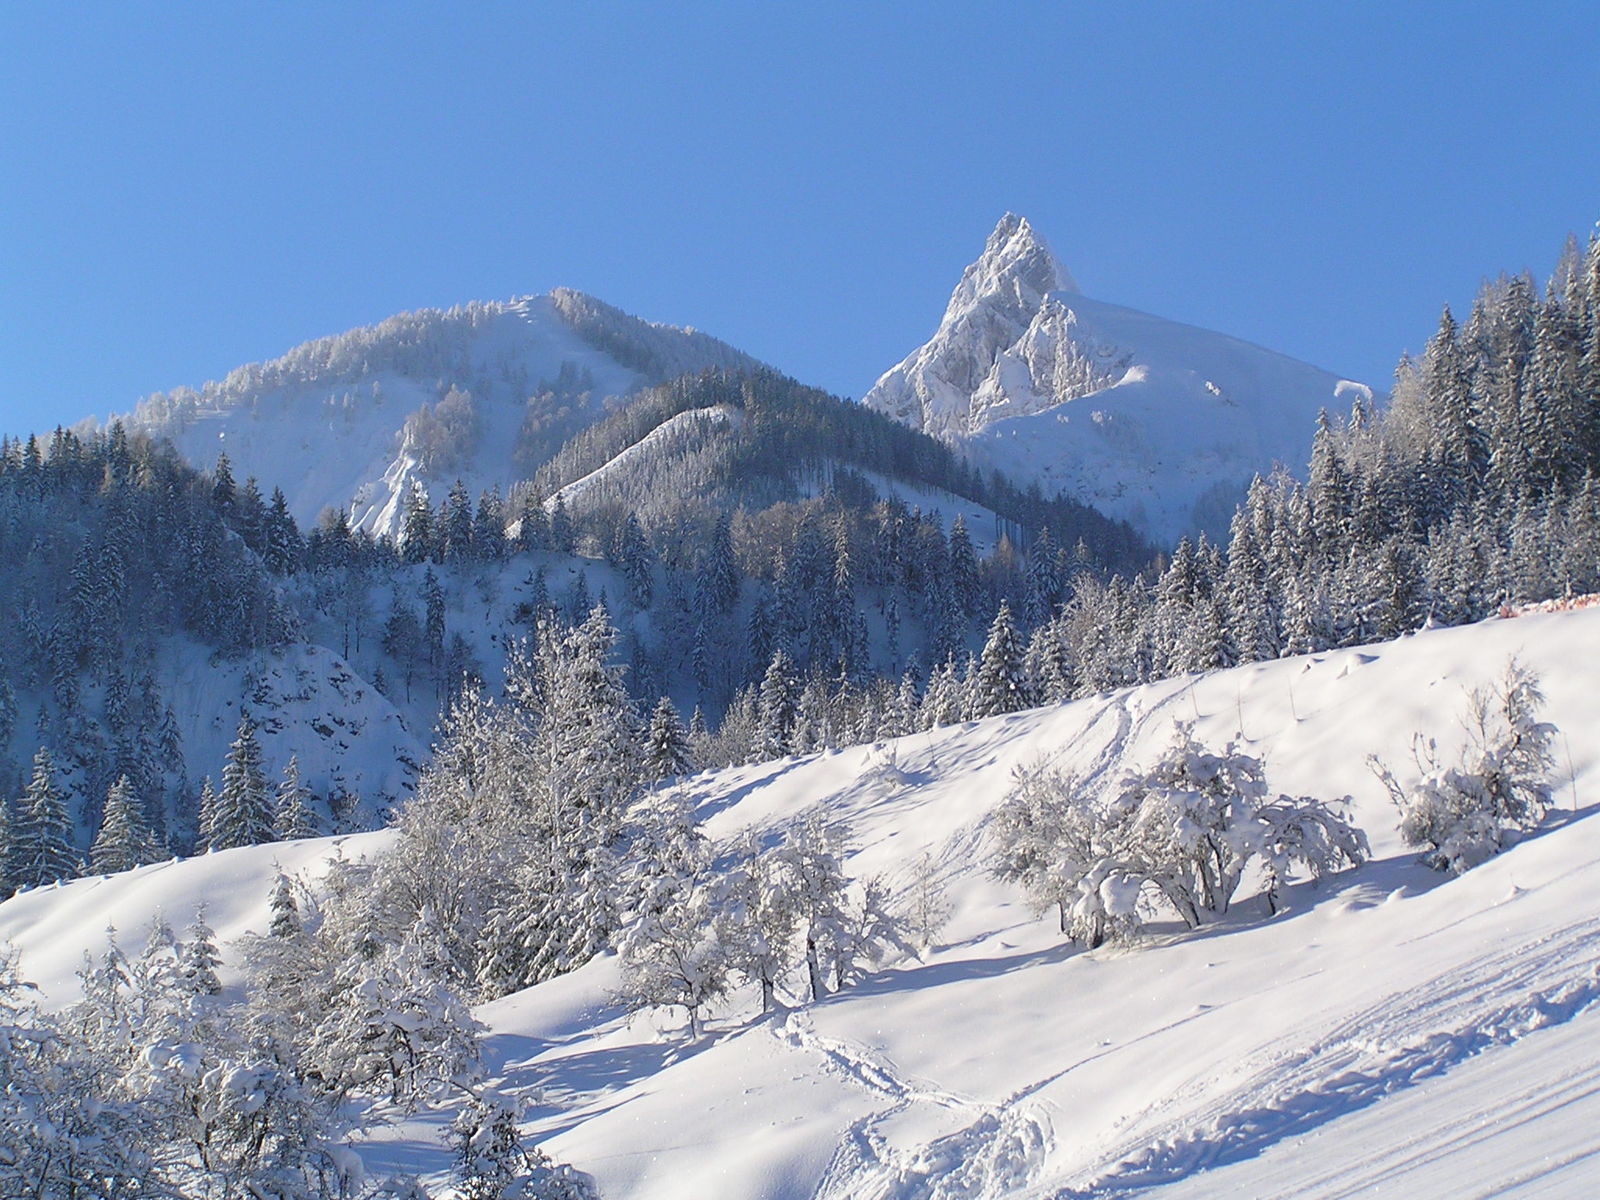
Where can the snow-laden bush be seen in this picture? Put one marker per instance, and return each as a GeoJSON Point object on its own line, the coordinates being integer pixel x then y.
{"type": "Point", "coordinates": [702, 920]}
{"type": "Point", "coordinates": [1501, 788]}
{"type": "Point", "coordinates": [492, 1163]}
{"type": "Point", "coordinates": [1181, 833]}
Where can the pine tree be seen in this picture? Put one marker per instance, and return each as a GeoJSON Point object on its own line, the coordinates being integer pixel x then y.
{"type": "Point", "coordinates": [416, 537]}
{"type": "Point", "coordinates": [282, 546]}
{"type": "Point", "coordinates": [222, 488]}
{"type": "Point", "coordinates": [719, 572]}
{"type": "Point", "coordinates": [778, 702]}
{"type": "Point", "coordinates": [124, 841]}
{"type": "Point", "coordinates": [285, 909]}
{"type": "Point", "coordinates": [963, 576]}
{"type": "Point", "coordinates": [632, 557]}
{"type": "Point", "coordinates": [43, 839]}
{"type": "Point", "coordinates": [489, 526]}
{"type": "Point", "coordinates": [433, 621]}
{"type": "Point", "coordinates": [206, 816]}
{"type": "Point", "coordinates": [1001, 684]}
{"type": "Point", "coordinates": [198, 958]}
{"type": "Point", "coordinates": [668, 753]}
{"type": "Point", "coordinates": [294, 818]}
{"type": "Point", "coordinates": [456, 524]}
{"type": "Point", "coordinates": [243, 810]}
{"type": "Point", "coordinates": [8, 707]}
{"type": "Point", "coordinates": [8, 848]}
{"type": "Point", "coordinates": [562, 537]}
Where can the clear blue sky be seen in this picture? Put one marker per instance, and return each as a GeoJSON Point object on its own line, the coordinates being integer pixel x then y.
{"type": "Point", "coordinates": [184, 188]}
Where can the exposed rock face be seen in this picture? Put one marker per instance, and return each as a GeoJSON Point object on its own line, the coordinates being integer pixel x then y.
{"type": "Point", "coordinates": [1146, 419]}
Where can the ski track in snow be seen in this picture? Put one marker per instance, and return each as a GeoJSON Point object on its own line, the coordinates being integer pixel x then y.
{"type": "Point", "coordinates": [998, 1153]}
{"type": "Point", "coordinates": [1425, 1032]}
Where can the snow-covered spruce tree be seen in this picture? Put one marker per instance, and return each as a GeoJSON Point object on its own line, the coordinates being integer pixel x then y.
{"type": "Point", "coordinates": [8, 849]}
{"type": "Point", "coordinates": [242, 815]}
{"type": "Point", "coordinates": [1001, 685]}
{"type": "Point", "coordinates": [198, 957]}
{"type": "Point", "coordinates": [43, 831]}
{"type": "Point", "coordinates": [124, 841]}
{"type": "Point", "coordinates": [779, 694]}
{"type": "Point", "coordinates": [285, 910]}
{"type": "Point", "coordinates": [294, 817]}
{"type": "Point", "coordinates": [206, 816]}
{"type": "Point", "coordinates": [668, 753]}
{"type": "Point", "coordinates": [1501, 789]}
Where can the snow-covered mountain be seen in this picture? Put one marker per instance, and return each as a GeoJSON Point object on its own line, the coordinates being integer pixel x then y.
{"type": "Point", "coordinates": [1390, 1030]}
{"type": "Point", "coordinates": [1146, 419]}
{"type": "Point", "coordinates": [484, 393]}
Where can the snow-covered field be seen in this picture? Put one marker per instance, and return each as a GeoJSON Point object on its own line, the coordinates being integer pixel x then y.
{"type": "Point", "coordinates": [1391, 1032]}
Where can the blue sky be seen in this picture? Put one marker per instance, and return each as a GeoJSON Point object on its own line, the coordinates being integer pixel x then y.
{"type": "Point", "coordinates": [184, 188]}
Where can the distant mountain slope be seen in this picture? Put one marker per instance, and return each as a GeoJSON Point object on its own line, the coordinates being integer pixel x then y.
{"type": "Point", "coordinates": [1146, 419]}
{"type": "Point", "coordinates": [1340, 1044]}
{"type": "Point", "coordinates": [758, 438]}
{"type": "Point", "coordinates": [484, 392]}
{"type": "Point", "coordinates": [143, 627]}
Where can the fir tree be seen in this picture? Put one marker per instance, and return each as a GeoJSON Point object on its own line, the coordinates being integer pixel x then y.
{"type": "Point", "coordinates": [294, 818]}
{"type": "Point", "coordinates": [1001, 683]}
{"type": "Point", "coordinates": [285, 909]}
{"type": "Point", "coordinates": [206, 816]}
{"type": "Point", "coordinates": [668, 753]}
{"type": "Point", "coordinates": [778, 705]}
{"type": "Point", "coordinates": [198, 958]}
{"type": "Point", "coordinates": [282, 546]}
{"type": "Point", "coordinates": [43, 837]}
{"type": "Point", "coordinates": [124, 841]}
{"type": "Point", "coordinates": [243, 810]}
{"type": "Point", "coordinates": [719, 572]}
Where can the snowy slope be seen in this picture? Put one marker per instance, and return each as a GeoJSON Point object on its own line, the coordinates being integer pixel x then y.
{"type": "Point", "coordinates": [328, 422]}
{"type": "Point", "coordinates": [305, 701]}
{"type": "Point", "coordinates": [1146, 419]}
{"type": "Point", "coordinates": [1363, 1038]}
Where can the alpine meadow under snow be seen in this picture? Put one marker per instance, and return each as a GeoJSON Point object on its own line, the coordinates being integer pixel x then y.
{"type": "Point", "coordinates": [822, 799]}
{"type": "Point", "coordinates": [1256, 1055]}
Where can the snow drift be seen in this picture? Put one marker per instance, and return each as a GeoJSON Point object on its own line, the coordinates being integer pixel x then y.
{"type": "Point", "coordinates": [1366, 1036]}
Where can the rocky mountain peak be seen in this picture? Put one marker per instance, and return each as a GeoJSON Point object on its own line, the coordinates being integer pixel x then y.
{"type": "Point", "coordinates": [1013, 274]}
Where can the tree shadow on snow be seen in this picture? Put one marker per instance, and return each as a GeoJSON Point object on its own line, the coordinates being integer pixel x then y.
{"type": "Point", "coordinates": [937, 974]}
{"type": "Point", "coordinates": [573, 1083]}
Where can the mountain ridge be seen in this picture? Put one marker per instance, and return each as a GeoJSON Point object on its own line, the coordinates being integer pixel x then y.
{"type": "Point", "coordinates": [1157, 422]}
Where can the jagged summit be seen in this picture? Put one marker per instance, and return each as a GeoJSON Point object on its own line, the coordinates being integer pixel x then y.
{"type": "Point", "coordinates": [1015, 272]}
{"type": "Point", "coordinates": [1159, 423]}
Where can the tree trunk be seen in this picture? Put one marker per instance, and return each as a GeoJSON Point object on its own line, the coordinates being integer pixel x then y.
{"type": "Point", "coordinates": [819, 989]}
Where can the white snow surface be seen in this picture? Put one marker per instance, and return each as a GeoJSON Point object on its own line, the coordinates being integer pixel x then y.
{"type": "Point", "coordinates": [327, 421]}
{"type": "Point", "coordinates": [1391, 1032]}
{"type": "Point", "coordinates": [1150, 420]}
